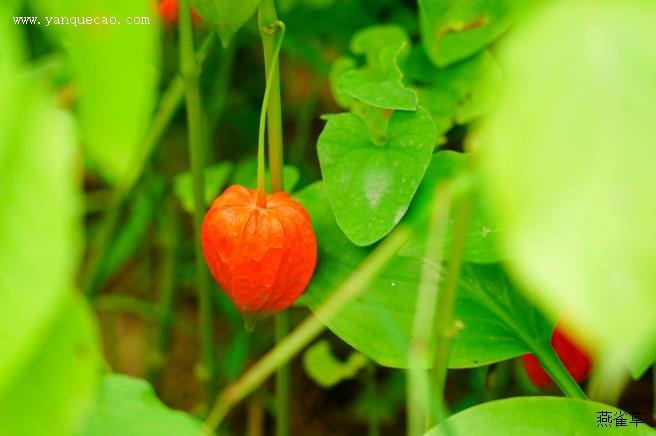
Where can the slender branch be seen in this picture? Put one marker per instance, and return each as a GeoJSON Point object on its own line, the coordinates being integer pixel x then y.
{"type": "Point", "coordinates": [269, 27]}
{"type": "Point", "coordinates": [555, 368]}
{"type": "Point", "coordinates": [168, 106]}
{"type": "Point", "coordinates": [446, 327]}
{"type": "Point", "coordinates": [263, 114]}
{"type": "Point", "coordinates": [168, 235]}
{"type": "Point", "coordinates": [309, 329]}
{"type": "Point", "coordinates": [190, 72]}
{"type": "Point", "coordinates": [272, 32]}
{"type": "Point", "coordinates": [418, 393]}
{"type": "Point", "coordinates": [282, 379]}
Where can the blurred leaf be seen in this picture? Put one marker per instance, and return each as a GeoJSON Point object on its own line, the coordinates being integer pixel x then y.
{"type": "Point", "coordinates": [484, 93]}
{"type": "Point", "coordinates": [39, 232]}
{"type": "Point", "coordinates": [384, 401]}
{"type": "Point", "coordinates": [58, 380]}
{"type": "Point", "coordinates": [41, 332]}
{"type": "Point", "coordinates": [226, 16]}
{"type": "Point", "coordinates": [537, 416]}
{"type": "Point", "coordinates": [130, 235]}
{"type": "Point", "coordinates": [498, 322]}
{"type": "Point", "coordinates": [340, 67]}
{"type": "Point", "coordinates": [453, 30]}
{"type": "Point", "coordinates": [380, 82]}
{"type": "Point", "coordinates": [11, 57]}
{"type": "Point", "coordinates": [129, 407]}
{"type": "Point", "coordinates": [568, 158]}
{"type": "Point", "coordinates": [459, 92]}
{"type": "Point", "coordinates": [481, 245]}
{"type": "Point", "coordinates": [371, 186]}
{"type": "Point", "coordinates": [216, 177]}
{"type": "Point", "coordinates": [326, 370]}
{"type": "Point", "coordinates": [246, 174]}
{"type": "Point", "coordinates": [116, 68]}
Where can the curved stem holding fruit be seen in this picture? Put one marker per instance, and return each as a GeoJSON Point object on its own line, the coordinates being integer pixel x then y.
{"type": "Point", "coordinates": [261, 178]}
{"type": "Point", "coordinates": [270, 27]}
{"type": "Point", "coordinates": [190, 71]}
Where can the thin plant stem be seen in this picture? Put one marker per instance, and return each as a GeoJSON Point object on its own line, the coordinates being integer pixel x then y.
{"type": "Point", "coordinates": [168, 235]}
{"type": "Point", "coordinates": [373, 428]}
{"type": "Point", "coordinates": [272, 32]}
{"type": "Point", "coordinates": [446, 327]}
{"type": "Point", "coordinates": [283, 383]}
{"type": "Point", "coordinates": [261, 182]}
{"type": "Point", "coordinates": [418, 392]}
{"type": "Point", "coordinates": [309, 329]}
{"type": "Point", "coordinates": [190, 72]}
{"type": "Point", "coordinates": [168, 105]}
{"type": "Point", "coordinates": [269, 27]}
{"type": "Point", "coordinates": [555, 368]}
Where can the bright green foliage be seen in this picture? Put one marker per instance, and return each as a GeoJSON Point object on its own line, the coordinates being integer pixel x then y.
{"type": "Point", "coordinates": [226, 16]}
{"type": "Point", "coordinates": [39, 232]}
{"type": "Point", "coordinates": [41, 331]}
{"type": "Point", "coordinates": [541, 416]}
{"type": "Point", "coordinates": [498, 322]}
{"type": "Point", "coordinates": [453, 30]}
{"type": "Point", "coordinates": [380, 82]}
{"type": "Point", "coordinates": [370, 186]}
{"type": "Point", "coordinates": [457, 93]}
{"type": "Point", "coordinates": [131, 234]}
{"type": "Point", "coordinates": [246, 174]}
{"type": "Point", "coordinates": [481, 245]}
{"type": "Point", "coordinates": [128, 406]}
{"type": "Point", "coordinates": [568, 159]}
{"type": "Point", "coordinates": [216, 178]}
{"type": "Point", "coordinates": [116, 72]}
{"type": "Point", "coordinates": [327, 370]}
{"type": "Point", "coordinates": [58, 380]}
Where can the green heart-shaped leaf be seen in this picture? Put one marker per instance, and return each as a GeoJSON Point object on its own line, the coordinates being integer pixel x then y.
{"type": "Point", "coordinates": [370, 186]}
{"type": "Point", "coordinates": [541, 416]}
{"type": "Point", "coordinates": [498, 322]}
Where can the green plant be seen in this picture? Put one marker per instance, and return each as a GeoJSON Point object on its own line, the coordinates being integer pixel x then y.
{"type": "Point", "coordinates": [453, 177]}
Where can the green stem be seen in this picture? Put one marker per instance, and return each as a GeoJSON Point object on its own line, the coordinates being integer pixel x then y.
{"type": "Point", "coordinates": [552, 364]}
{"type": "Point", "coordinates": [168, 234]}
{"type": "Point", "coordinates": [282, 379]}
{"type": "Point", "coordinates": [309, 329]}
{"type": "Point", "coordinates": [190, 72]}
{"type": "Point", "coordinates": [269, 26]}
{"type": "Point", "coordinates": [261, 182]}
{"type": "Point", "coordinates": [418, 392]}
{"type": "Point", "coordinates": [273, 31]}
{"type": "Point", "coordinates": [373, 428]}
{"type": "Point", "coordinates": [446, 327]}
{"type": "Point", "coordinates": [169, 103]}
